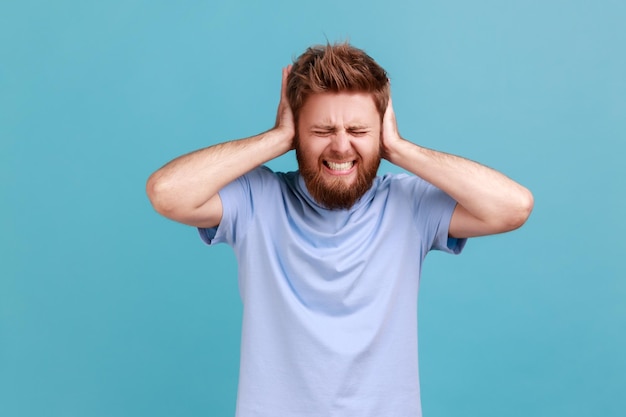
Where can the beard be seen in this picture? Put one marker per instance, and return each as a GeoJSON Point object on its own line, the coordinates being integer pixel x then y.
{"type": "Point", "coordinates": [335, 193]}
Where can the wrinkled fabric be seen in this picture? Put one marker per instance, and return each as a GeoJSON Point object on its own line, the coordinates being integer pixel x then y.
{"type": "Point", "coordinates": [330, 296]}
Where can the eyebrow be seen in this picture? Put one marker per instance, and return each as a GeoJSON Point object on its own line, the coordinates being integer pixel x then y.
{"type": "Point", "coordinates": [323, 127]}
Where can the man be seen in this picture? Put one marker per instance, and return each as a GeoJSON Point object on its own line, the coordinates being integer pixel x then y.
{"type": "Point", "coordinates": [330, 256]}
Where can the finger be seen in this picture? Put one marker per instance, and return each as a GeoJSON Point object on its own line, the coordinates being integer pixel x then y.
{"type": "Point", "coordinates": [283, 87]}
{"type": "Point", "coordinates": [286, 71]}
{"type": "Point", "coordinates": [389, 114]}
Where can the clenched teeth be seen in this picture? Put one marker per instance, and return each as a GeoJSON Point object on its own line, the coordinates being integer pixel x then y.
{"type": "Point", "coordinates": [344, 166]}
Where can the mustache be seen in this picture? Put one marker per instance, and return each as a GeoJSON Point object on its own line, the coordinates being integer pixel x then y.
{"type": "Point", "coordinates": [335, 156]}
{"type": "Point", "coordinates": [334, 194]}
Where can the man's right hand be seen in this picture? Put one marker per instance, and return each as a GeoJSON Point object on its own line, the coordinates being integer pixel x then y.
{"type": "Point", "coordinates": [284, 116]}
{"type": "Point", "coordinates": [186, 189]}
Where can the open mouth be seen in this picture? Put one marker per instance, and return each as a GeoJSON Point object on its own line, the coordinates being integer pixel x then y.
{"type": "Point", "coordinates": [339, 166]}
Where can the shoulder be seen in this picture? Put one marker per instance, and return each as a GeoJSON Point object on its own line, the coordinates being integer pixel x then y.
{"type": "Point", "coordinates": [403, 183]}
{"type": "Point", "coordinates": [263, 176]}
{"type": "Point", "coordinates": [409, 188]}
{"type": "Point", "coordinates": [263, 184]}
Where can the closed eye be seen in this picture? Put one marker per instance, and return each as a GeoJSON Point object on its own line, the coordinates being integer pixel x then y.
{"type": "Point", "coordinates": [322, 132]}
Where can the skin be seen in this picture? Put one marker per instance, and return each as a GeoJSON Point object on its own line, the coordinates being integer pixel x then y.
{"type": "Point", "coordinates": [186, 189]}
{"type": "Point", "coordinates": [338, 128]}
{"type": "Point", "coordinates": [488, 202]}
{"type": "Point", "coordinates": [339, 146]}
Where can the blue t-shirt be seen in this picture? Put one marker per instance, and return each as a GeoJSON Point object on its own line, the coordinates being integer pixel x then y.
{"type": "Point", "coordinates": [330, 296]}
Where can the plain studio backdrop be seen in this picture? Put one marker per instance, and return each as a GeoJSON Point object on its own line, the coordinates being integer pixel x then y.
{"type": "Point", "coordinates": [107, 309]}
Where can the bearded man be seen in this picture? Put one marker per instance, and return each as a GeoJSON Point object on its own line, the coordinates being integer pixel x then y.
{"type": "Point", "coordinates": [330, 255]}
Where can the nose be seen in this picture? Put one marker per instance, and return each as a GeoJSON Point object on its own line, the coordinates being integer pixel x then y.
{"type": "Point", "coordinates": [340, 142]}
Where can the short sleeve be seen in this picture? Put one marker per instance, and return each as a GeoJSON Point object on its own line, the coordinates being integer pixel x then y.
{"type": "Point", "coordinates": [208, 235]}
{"type": "Point", "coordinates": [433, 213]}
{"type": "Point", "coordinates": [238, 199]}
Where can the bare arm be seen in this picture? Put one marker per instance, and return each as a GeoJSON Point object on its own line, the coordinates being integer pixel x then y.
{"type": "Point", "coordinates": [488, 201]}
{"type": "Point", "coordinates": [186, 189]}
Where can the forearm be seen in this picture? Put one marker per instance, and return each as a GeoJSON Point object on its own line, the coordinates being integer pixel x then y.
{"type": "Point", "coordinates": [188, 182]}
{"type": "Point", "coordinates": [498, 202]}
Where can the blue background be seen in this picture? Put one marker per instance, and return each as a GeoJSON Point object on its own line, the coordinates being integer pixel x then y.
{"type": "Point", "coordinates": [107, 309]}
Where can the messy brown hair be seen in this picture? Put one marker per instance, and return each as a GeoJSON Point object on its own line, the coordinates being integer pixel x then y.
{"type": "Point", "coordinates": [336, 68]}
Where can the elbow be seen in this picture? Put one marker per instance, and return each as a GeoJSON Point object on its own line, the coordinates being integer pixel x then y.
{"type": "Point", "coordinates": [520, 210]}
{"type": "Point", "coordinates": [158, 192]}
